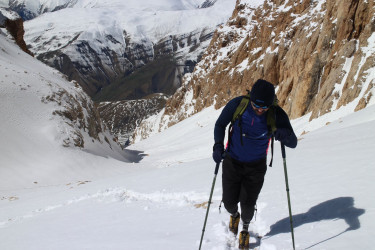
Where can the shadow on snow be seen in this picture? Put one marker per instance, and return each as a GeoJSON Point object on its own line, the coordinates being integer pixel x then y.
{"type": "Point", "coordinates": [134, 155]}
{"type": "Point", "coordinates": [338, 208]}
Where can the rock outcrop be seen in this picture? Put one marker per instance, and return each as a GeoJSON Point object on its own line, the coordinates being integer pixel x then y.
{"type": "Point", "coordinates": [122, 117]}
{"type": "Point", "coordinates": [80, 114]}
{"type": "Point", "coordinates": [14, 25]}
{"type": "Point", "coordinates": [320, 55]}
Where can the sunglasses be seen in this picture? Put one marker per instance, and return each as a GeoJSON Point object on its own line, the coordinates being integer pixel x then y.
{"type": "Point", "coordinates": [258, 106]}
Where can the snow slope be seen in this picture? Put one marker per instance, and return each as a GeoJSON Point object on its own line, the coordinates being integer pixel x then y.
{"type": "Point", "coordinates": [154, 203]}
{"type": "Point", "coordinates": [31, 136]}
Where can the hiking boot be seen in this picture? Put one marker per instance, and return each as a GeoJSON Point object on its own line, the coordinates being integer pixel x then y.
{"type": "Point", "coordinates": [244, 240]}
{"type": "Point", "coordinates": [233, 223]}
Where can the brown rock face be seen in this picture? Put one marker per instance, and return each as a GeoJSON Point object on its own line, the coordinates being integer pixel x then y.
{"type": "Point", "coordinates": [15, 28]}
{"type": "Point", "coordinates": [319, 55]}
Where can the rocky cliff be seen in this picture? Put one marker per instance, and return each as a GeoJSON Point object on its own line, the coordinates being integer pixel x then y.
{"type": "Point", "coordinates": [320, 55]}
{"type": "Point", "coordinates": [114, 69]}
{"type": "Point", "coordinates": [146, 68]}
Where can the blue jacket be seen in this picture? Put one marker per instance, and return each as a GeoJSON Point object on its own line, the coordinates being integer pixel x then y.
{"type": "Point", "coordinates": [255, 136]}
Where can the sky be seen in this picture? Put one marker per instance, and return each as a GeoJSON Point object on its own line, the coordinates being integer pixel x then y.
{"type": "Point", "coordinates": [150, 195]}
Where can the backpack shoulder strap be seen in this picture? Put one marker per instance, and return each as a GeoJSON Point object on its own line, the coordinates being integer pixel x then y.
{"type": "Point", "coordinates": [241, 107]}
{"type": "Point", "coordinates": [237, 115]}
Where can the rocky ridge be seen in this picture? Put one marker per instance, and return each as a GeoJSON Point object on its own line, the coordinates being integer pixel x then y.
{"type": "Point", "coordinates": [320, 55]}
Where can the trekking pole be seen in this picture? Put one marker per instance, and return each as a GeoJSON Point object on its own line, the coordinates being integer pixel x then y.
{"type": "Point", "coordinates": [287, 191]}
{"type": "Point", "coordinates": [209, 203]}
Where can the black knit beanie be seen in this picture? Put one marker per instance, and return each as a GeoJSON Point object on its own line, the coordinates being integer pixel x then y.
{"type": "Point", "coordinates": [262, 93]}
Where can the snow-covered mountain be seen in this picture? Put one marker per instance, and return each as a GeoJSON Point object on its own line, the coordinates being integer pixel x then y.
{"type": "Point", "coordinates": [122, 50]}
{"type": "Point", "coordinates": [29, 9]}
{"type": "Point", "coordinates": [319, 54]}
{"type": "Point", "coordinates": [99, 43]}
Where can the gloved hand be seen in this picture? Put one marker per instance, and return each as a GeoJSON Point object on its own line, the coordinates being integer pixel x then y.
{"type": "Point", "coordinates": [281, 134]}
{"type": "Point", "coordinates": [218, 151]}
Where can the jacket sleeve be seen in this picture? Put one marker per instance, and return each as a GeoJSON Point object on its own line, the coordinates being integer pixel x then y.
{"type": "Point", "coordinates": [224, 119]}
{"type": "Point", "coordinates": [282, 121]}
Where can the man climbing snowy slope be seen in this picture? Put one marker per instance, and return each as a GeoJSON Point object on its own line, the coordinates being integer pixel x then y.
{"type": "Point", "coordinates": [255, 119]}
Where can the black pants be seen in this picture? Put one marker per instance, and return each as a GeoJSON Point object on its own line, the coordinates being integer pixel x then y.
{"type": "Point", "coordinates": [242, 183]}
